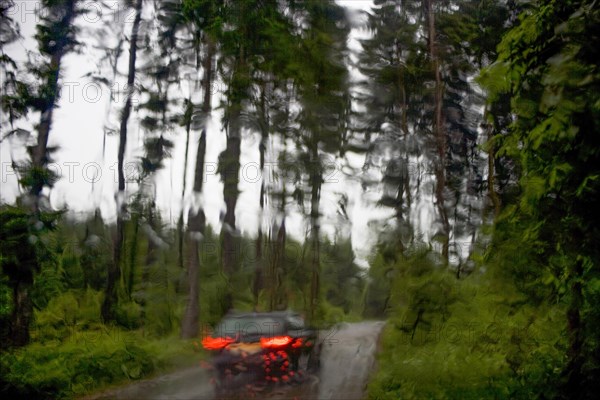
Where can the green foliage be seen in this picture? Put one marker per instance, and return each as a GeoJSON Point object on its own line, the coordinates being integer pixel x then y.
{"type": "Point", "coordinates": [477, 337]}
{"type": "Point", "coordinates": [88, 361]}
{"type": "Point", "coordinates": [73, 353]}
{"type": "Point", "coordinates": [552, 80]}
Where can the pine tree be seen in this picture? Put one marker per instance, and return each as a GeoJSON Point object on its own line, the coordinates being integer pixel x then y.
{"type": "Point", "coordinates": [114, 273]}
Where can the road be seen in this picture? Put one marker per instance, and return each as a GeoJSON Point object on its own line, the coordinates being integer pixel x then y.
{"type": "Point", "coordinates": [347, 359]}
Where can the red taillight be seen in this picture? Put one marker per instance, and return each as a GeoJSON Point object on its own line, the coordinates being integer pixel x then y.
{"type": "Point", "coordinates": [297, 343]}
{"type": "Point", "coordinates": [277, 341]}
{"type": "Point", "coordinates": [211, 343]}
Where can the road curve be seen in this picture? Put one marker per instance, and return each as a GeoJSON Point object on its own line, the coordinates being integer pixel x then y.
{"type": "Point", "coordinates": [347, 358]}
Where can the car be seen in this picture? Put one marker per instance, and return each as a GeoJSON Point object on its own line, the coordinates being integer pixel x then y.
{"type": "Point", "coordinates": [263, 348]}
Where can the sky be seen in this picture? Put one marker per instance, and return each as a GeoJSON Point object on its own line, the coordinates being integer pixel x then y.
{"type": "Point", "coordinates": [88, 173]}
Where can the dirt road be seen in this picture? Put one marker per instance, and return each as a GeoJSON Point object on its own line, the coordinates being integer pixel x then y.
{"type": "Point", "coordinates": [347, 359]}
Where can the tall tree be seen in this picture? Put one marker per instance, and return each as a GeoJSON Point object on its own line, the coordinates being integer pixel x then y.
{"type": "Point", "coordinates": [438, 130]}
{"type": "Point", "coordinates": [394, 102]}
{"type": "Point", "coordinates": [421, 111]}
{"type": "Point", "coordinates": [109, 304]}
{"type": "Point", "coordinates": [245, 50]}
{"type": "Point", "coordinates": [236, 51]}
{"type": "Point", "coordinates": [323, 95]}
{"type": "Point", "coordinates": [55, 36]}
{"type": "Point", "coordinates": [195, 234]}
{"type": "Point", "coordinates": [203, 18]}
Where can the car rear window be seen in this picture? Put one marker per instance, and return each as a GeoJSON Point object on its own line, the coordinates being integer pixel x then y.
{"type": "Point", "coordinates": [240, 327]}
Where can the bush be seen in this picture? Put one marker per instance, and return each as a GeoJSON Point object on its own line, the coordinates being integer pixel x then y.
{"type": "Point", "coordinates": [472, 338]}
{"type": "Point", "coordinates": [88, 361]}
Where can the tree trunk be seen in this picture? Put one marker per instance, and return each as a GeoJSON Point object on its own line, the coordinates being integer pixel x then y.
{"type": "Point", "coordinates": [197, 219]}
{"type": "Point", "coordinates": [264, 129]}
{"type": "Point", "coordinates": [492, 172]}
{"type": "Point", "coordinates": [573, 370]}
{"type": "Point", "coordinates": [315, 182]}
{"type": "Point", "coordinates": [230, 174]}
{"type": "Point", "coordinates": [196, 225]}
{"type": "Point", "coordinates": [114, 272]}
{"type": "Point", "coordinates": [39, 155]}
{"type": "Point", "coordinates": [148, 262]}
{"type": "Point", "coordinates": [133, 255]}
{"type": "Point", "coordinates": [280, 294]}
{"type": "Point", "coordinates": [229, 168]}
{"type": "Point", "coordinates": [21, 315]}
{"type": "Point", "coordinates": [440, 136]}
{"type": "Point", "coordinates": [189, 112]}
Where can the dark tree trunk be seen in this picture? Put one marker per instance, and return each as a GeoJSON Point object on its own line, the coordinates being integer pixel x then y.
{"type": "Point", "coordinates": [315, 182]}
{"type": "Point", "coordinates": [133, 255]}
{"type": "Point", "coordinates": [114, 272]}
{"type": "Point", "coordinates": [440, 136]}
{"type": "Point", "coordinates": [280, 301]}
{"type": "Point", "coordinates": [39, 155]}
{"type": "Point", "coordinates": [189, 111]}
{"type": "Point", "coordinates": [21, 315]}
{"type": "Point", "coordinates": [264, 129]}
{"type": "Point", "coordinates": [189, 114]}
{"type": "Point", "coordinates": [574, 377]}
{"type": "Point", "coordinates": [493, 195]}
{"type": "Point", "coordinates": [196, 218]}
{"type": "Point", "coordinates": [196, 225]}
{"type": "Point", "coordinates": [148, 262]}
{"type": "Point", "coordinates": [229, 168]}
{"type": "Point", "coordinates": [22, 306]}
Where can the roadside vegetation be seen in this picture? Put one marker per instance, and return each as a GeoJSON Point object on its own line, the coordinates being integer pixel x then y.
{"type": "Point", "coordinates": [518, 318]}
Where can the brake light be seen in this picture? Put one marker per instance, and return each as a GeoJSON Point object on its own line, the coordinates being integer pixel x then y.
{"type": "Point", "coordinates": [211, 343]}
{"type": "Point", "coordinates": [297, 343]}
{"type": "Point", "coordinates": [277, 341]}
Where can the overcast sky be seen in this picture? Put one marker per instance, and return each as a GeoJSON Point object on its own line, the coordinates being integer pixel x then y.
{"type": "Point", "coordinates": [88, 177]}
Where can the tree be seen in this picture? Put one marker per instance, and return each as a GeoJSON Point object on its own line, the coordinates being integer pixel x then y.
{"type": "Point", "coordinates": [203, 18]}
{"type": "Point", "coordinates": [547, 64]}
{"type": "Point", "coordinates": [394, 101]}
{"type": "Point", "coordinates": [55, 36]}
{"type": "Point", "coordinates": [22, 250]}
{"type": "Point", "coordinates": [114, 273]}
{"type": "Point", "coordinates": [323, 119]}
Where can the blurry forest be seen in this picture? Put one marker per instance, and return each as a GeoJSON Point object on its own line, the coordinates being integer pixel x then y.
{"type": "Point", "coordinates": [485, 112]}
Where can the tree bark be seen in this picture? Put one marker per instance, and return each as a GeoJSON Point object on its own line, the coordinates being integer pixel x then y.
{"type": "Point", "coordinates": [315, 181]}
{"type": "Point", "coordinates": [229, 168]}
{"type": "Point", "coordinates": [264, 130]}
{"type": "Point", "coordinates": [189, 112]}
{"type": "Point", "coordinates": [197, 219]}
{"type": "Point", "coordinates": [133, 256]}
{"type": "Point", "coordinates": [39, 156]}
{"type": "Point", "coordinates": [493, 195]}
{"type": "Point", "coordinates": [438, 128]}
{"type": "Point", "coordinates": [148, 262]}
{"type": "Point", "coordinates": [22, 314]}
{"type": "Point", "coordinates": [573, 370]}
{"type": "Point", "coordinates": [196, 225]}
{"type": "Point", "coordinates": [114, 272]}
{"type": "Point", "coordinates": [280, 295]}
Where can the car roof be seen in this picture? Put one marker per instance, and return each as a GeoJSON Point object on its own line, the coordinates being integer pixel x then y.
{"type": "Point", "coordinates": [273, 314]}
